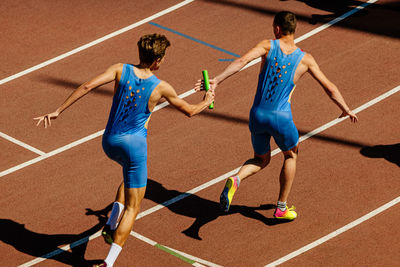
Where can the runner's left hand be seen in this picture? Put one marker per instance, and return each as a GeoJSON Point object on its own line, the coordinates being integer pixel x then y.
{"type": "Point", "coordinates": [351, 114]}
{"type": "Point", "coordinates": [47, 119]}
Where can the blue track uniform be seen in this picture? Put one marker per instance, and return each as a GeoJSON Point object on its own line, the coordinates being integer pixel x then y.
{"type": "Point", "coordinates": [271, 113]}
{"type": "Point", "coordinates": [125, 137]}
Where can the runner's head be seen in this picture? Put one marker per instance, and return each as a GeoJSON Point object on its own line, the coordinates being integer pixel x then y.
{"type": "Point", "coordinates": [152, 49]}
{"type": "Point", "coordinates": [284, 24]}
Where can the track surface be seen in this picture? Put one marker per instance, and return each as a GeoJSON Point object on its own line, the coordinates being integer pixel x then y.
{"type": "Point", "coordinates": [342, 172]}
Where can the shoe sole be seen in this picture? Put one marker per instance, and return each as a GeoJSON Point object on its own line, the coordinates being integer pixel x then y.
{"type": "Point", "coordinates": [107, 237]}
{"type": "Point", "coordinates": [224, 201]}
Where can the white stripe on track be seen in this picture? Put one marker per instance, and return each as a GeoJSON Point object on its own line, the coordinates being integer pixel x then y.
{"type": "Point", "coordinates": [193, 258]}
{"type": "Point", "coordinates": [95, 42]}
{"type": "Point", "coordinates": [20, 143]}
{"type": "Point", "coordinates": [213, 181]}
{"type": "Point", "coordinates": [52, 153]}
{"type": "Point", "coordinates": [335, 233]}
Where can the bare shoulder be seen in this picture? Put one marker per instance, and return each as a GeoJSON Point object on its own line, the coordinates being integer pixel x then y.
{"type": "Point", "coordinates": [164, 86]}
{"type": "Point", "coordinates": [165, 89]}
{"type": "Point", "coordinates": [308, 60]}
{"type": "Point", "coordinates": [265, 44]}
{"type": "Point", "coordinates": [116, 68]}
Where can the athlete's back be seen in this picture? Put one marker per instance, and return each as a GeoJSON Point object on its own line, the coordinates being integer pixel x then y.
{"type": "Point", "coordinates": [130, 111]}
{"type": "Point", "coordinates": [275, 84]}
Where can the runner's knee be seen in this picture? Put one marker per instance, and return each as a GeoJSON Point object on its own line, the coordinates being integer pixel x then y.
{"type": "Point", "coordinates": [263, 160]}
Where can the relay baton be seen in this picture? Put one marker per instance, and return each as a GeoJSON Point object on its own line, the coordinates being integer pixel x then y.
{"type": "Point", "coordinates": [207, 85]}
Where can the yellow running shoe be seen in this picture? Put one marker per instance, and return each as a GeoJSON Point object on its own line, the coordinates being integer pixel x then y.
{"type": "Point", "coordinates": [288, 214]}
{"type": "Point", "coordinates": [226, 197]}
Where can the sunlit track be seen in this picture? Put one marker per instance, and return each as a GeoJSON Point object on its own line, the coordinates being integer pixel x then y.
{"type": "Point", "coordinates": [95, 42]}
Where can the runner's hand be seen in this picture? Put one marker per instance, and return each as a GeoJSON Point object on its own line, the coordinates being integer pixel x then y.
{"type": "Point", "coordinates": [351, 115]}
{"type": "Point", "coordinates": [47, 119]}
{"type": "Point", "coordinates": [209, 96]}
{"type": "Point", "coordinates": [199, 86]}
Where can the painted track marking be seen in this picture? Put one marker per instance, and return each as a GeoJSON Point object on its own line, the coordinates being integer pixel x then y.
{"type": "Point", "coordinates": [194, 39]}
{"type": "Point", "coordinates": [182, 255]}
{"type": "Point", "coordinates": [213, 181]}
{"type": "Point", "coordinates": [95, 42]}
{"type": "Point", "coordinates": [20, 143]}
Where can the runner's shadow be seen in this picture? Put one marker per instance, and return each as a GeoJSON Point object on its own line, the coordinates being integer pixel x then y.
{"type": "Point", "coordinates": [389, 152]}
{"type": "Point", "coordinates": [41, 245]}
{"type": "Point", "coordinates": [72, 85]}
{"type": "Point", "coordinates": [201, 209]}
{"type": "Point", "coordinates": [336, 8]}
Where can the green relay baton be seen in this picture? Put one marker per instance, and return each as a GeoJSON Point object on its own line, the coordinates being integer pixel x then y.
{"type": "Point", "coordinates": [207, 85]}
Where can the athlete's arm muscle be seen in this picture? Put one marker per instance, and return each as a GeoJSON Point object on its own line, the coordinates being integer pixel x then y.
{"type": "Point", "coordinates": [189, 110]}
{"type": "Point", "coordinates": [111, 74]}
{"type": "Point", "coordinates": [330, 88]}
{"type": "Point", "coordinates": [259, 50]}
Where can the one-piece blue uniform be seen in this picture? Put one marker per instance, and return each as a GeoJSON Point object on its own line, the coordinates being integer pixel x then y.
{"type": "Point", "coordinates": [271, 113]}
{"type": "Point", "coordinates": [125, 137]}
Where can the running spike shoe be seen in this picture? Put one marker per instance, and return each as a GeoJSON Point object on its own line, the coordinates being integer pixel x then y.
{"type": "Point", "coordinates": [226, 197]}
{"type": "Point", "coordinates": [288, 214]}
{"type": "Point", "coordinates": [107, 234]}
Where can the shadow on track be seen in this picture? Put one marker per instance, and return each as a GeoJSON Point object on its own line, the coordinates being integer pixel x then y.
{"type": "Point", "coordinates": [38, 245]}
{"type": "Point", "coordinates": [389, 152]}
{"type": "Point", "coordinates": [201, 209]}
{"type": "Point", "coordinates": [72, 85]}
{"type": "Point", "coordinates": [379, 19]}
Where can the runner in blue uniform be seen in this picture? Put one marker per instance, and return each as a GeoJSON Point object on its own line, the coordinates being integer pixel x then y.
{"type": "Point", "coordinates": [282, 65]}
{"type": "Point", "coordinates": [136, 92]}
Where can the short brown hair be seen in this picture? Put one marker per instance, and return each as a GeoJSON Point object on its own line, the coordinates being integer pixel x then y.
{"type": "Point", "coordinates": [286, 21]}
{"type": "Point", "coordinates": [151, 47]}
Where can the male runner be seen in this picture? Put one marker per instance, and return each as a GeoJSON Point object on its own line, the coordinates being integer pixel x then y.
{"type": "Point", "coordinates": [136, 92]}
{"type": "Point", "coordinates": [282, 65]}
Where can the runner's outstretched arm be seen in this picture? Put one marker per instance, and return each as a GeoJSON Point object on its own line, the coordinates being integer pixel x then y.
{"type": "Point", "coordinates": [189, 110]}
{"type": "Point", "coordinates": [330, 88]}
{"type": "Point", "coordinates": [259, 50]}
{"type": "Point", "coordinates": [108, 76]}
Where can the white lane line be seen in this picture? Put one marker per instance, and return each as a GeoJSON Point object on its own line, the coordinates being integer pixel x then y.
{"type": "Point", "coordinates": [320, 28]}
{"type": "Point", "coordinates": [20, 143]}
{"type": "Point", "coordinates": [335, 233]}
{"type": "Point", "coordinates": [52, 153]}
{"type": "Point", "coordinates": [190, 92]}
{"type": "Point", "coordinates": [191, 257]}
{"type": "Point", "coordinates": [95, 42]}
{"type": "Point", "coordinates": [215, 180]}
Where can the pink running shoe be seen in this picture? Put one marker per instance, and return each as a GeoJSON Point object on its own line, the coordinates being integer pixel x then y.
{"type": "Point", "coordinates": [288, 214]}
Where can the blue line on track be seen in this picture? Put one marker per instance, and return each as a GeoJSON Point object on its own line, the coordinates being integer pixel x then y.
{"type": "Point", "coordinates": [193, 39]}
{"type": "Point", "coordinates": [226, 59]}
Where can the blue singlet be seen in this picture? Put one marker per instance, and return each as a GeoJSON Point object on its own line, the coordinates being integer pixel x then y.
{"type": "Point", "coordinates": [125, 137]}
{"type": "Point", "coordinates": [271, 113]}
